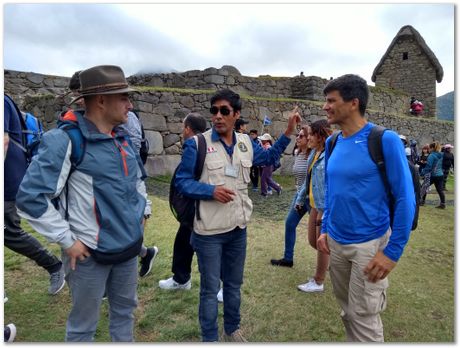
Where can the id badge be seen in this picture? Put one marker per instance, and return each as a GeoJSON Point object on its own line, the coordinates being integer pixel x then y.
{"type": "Point", "coordinates": [231, 171]}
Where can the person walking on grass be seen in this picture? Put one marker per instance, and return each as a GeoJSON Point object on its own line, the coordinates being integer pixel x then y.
{"type": "Point", "coordinates": [355, 227]}
{"type": "Point", "coordinates": [219, 229]}
{"type": "Point", "coordinates": [194, 123]}
{"type": "Point", "coordinates": [434, 168]}
{"type": "Point", "coordinates": [266, 179]}
{"type": "Point", "coordinates": [15, 164]}
{"type": "Point", "coordinates": [102, 232]}
{"type": "Point", "coordinates": [447, 163]}
{"type": "Point", "coordinates": [312, 194]}
{"type": "Point", "coordinates": [294, 215]}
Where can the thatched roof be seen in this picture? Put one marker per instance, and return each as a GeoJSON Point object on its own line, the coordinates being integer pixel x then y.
{"type": "Point", "coordinates": [408, 30]}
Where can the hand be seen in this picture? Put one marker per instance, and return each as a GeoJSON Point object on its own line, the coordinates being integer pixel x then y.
{"type": "Point", "coordinates": [379, 267]}
{"type": "Point", "coordinates": [77, 250]}
{"type": "Point", "coordinates": [322, 245]}
{"type": "Point", "coordinates": [222, 194]}
{"type": "Point", "coordinates": [293, 120]}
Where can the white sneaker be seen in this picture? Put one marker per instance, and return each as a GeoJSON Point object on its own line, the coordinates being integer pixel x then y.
{"type": "Point", "coordinates": [171, 284]}
{"type": "Point", "coordinates": [9, 333]}
{"type": "Point", "coordinates": [311, 286]}
{"type": "Point", "coordinates": [220, 295]}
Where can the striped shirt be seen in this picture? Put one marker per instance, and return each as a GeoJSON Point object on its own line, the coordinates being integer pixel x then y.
{"type": "Point", "coordinates": [299, 169]}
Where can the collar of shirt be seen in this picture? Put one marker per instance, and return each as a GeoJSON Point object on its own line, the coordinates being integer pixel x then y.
{"type": "Point", "coordinates": [228, 148]}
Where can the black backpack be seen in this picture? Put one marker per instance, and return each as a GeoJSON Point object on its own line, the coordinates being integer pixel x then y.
{"type": "Point", "coordinates": [144, 150]}
{"type": "Point", "coordinates": [182, 207]}
{"type": "Point", "coordinates": [374, 143]}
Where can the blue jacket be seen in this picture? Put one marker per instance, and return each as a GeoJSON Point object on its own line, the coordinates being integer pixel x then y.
{"type": "Point", "coordinates": [106, 192]}
{"type": "Point", "coordinates": [433, 164]}
{"type": "Point", "coordinates": [318, 184]}
{"type": "Point", "coordinates": [185, 178]}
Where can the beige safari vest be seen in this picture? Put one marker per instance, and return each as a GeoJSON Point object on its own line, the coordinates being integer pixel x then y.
{"type": "Point", "coordinates": [219, 217]}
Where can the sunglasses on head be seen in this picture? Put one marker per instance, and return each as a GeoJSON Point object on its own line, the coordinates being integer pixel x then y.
{"type": "Point", "coordinates": [224, 111]}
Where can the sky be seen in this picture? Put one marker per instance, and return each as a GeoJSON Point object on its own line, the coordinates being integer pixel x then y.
{"type": "Point", "coordinates": [326, 40]}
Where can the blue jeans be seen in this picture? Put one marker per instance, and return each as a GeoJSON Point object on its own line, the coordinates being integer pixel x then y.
{"type": "Point", "coordinates": [87, 284]}
{"type": "Point", "coordinates": [218, 253]}
{"type": "Point", "coordinates": [292, 220]}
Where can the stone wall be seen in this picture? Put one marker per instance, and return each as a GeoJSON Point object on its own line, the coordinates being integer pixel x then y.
{"type": "Point", "coordinates": [19, 84]}
{"type": "Point", "coordinates": [299, 87]}
{"type": "Point", "coordinates": [162, 113]}
{"type": "Point", "coordinates": [415, 75]}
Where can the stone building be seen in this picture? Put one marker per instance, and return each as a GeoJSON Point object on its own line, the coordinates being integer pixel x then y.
{"type": "Point", "coordinates": [410, 66]}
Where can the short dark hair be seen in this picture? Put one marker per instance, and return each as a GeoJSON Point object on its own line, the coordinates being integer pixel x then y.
{"type": "Point", "coordinates": [240, 122]}
{"type": "Point", "coordinates": [228, 95]}
{"type": "Point", "coordinates": [195, 122]}
{"type": "Point", "coordinates": [74, 83]}
{"type": "Point", "coordinates": [253, 131]}
{"type": "Point", "coordinates": [349, 87]}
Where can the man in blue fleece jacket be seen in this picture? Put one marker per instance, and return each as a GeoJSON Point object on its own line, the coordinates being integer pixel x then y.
{"type": "Point", "coordinates": [356, 222]}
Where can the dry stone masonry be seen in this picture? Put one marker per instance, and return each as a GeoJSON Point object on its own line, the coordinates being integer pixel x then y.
{"type": "Point", "coordinates": [165, 100]}
{"type": "Point", "coordinates": [410, 65]}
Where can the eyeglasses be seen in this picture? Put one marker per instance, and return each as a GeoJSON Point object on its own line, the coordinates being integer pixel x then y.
{"type": "Point", "coordinates": [224, 111]}
{"type": "Point", "coordinates": [301, 136]}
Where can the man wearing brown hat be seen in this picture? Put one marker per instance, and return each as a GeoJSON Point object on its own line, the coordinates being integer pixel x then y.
{"type": "Point", "coordinates": [133, 128]}
{"type": "Point", "coordinates": [99, 218]}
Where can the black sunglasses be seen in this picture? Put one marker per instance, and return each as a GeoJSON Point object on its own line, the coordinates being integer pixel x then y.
{"type": "Point", "coordinates": [224, 111]}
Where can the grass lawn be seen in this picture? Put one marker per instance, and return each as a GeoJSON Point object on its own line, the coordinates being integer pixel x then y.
{"type": "Point", "coordinates": [421, 293]}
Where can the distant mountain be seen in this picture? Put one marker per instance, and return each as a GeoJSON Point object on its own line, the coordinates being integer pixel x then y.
{"type": "Point", "coordinates": [445, 107]}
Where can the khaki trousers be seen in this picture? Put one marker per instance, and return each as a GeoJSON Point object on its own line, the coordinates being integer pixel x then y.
{"type": "Point", "coordinates": [361, 300]}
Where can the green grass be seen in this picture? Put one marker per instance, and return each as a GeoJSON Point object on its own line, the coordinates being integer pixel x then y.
{"type": "Point", "coordinates": [421, 293]}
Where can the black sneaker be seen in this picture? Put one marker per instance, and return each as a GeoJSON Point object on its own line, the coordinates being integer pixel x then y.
{"type": "Point", "coordinates": [441, 206]}
{"type": "Point", "coordinates": [147, 261]}
{"type": "Point", "coordinates": [282, 262]}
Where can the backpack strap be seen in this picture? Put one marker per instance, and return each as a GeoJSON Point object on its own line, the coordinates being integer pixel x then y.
{"type": "Point", "coordinates": [374, 145]}
{"type": "Point", "coordinates": [332, 143]}
{"type": "Point", "coordinates": [199, 167]}
{"type": "Point", "coordinates": [78, 143]}
{"type": "Point", "coordinates": [201, 155]}
{"type": "Point", "coordinates": [76, 157]}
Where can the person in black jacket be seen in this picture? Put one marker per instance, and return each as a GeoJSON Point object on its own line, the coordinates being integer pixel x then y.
{"type": "Point", "coordinates": [447, 163]}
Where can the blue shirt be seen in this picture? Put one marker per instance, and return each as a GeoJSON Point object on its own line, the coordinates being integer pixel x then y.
{"type": "Point", "coordinates": [185, 181]}
{"type": "Point", "coordinates": [356, 204]}
{"type": "Point", "coordinates": [15, 161]}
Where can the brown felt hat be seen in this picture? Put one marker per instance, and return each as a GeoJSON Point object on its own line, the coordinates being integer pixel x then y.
{"type": "Point", "coordinates": [102, 79]}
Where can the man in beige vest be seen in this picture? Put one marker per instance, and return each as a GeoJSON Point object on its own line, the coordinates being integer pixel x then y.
{"type": "Point", "coordinates": [219, 231]}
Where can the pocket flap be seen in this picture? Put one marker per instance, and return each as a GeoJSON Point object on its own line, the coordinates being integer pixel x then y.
{"type": "Point", "coordinates": [214, 165]}
{"type": "Point", "coordinates": [246, 163]}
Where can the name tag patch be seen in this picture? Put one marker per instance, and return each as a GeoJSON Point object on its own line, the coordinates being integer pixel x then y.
{"type": "Point", "coordinates": [231, 171]}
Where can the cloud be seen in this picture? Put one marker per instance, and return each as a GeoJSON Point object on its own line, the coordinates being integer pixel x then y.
{"type": "Point", "coordinates": [258, 39]}
{"type": "Point", "coordinates": [84, 35]}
